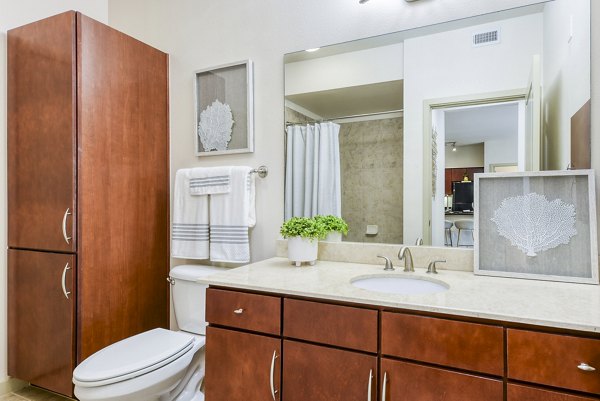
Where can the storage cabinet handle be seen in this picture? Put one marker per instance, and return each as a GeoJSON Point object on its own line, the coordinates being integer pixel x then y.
{"type": "Point", "coordinates": [585, 367]}
{"type": "Point", "coordinates": [64, 283]}
{"type": "Point", "coordinates": [370, 385]}
{"type": "Point", "coordinates": [238, 311]}
{"type": "Point", "coordinates": [384, 386]}
{"type": "Point", "coordinates": [271, 376]}
{"type": "Point", "coordinates": [64, 225]}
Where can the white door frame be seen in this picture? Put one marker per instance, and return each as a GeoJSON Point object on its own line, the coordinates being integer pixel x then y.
{"type": "Point", "coordinates": [448, 102]}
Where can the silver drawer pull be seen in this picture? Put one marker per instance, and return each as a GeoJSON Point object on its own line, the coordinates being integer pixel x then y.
{"type": "Point", "coordinates": [64, 226]}
{"type": "Point", "coordinates": [585, 367]}
{"type": "Point", "coordinates": [384, 387]}
{"type": "Point", "coordinates": [369, 391]}
{"type": "Point", "coordinates": [238, 311]}
{"type": "Point", "coordinates": [272, 376]}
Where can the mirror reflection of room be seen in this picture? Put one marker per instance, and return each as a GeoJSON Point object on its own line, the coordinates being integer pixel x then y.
{"type": "Point", "coordinates": [509, 91]}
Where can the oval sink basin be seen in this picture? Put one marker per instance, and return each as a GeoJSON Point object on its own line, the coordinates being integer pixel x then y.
{"type": "Point", "coordinates": [400, 285]}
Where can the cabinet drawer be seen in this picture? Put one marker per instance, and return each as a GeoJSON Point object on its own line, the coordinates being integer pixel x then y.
{"type": "Point", "coordinates": [524, 393]}
{"type": "Point", "coordinates": [409, 381]}
{"type": "Point", "coordinates": [245, 311]}
{"type": "Point", "coordinates": [342, 326]}
{"type": "Point", "coordinates": [462, 345]}
{"type": "Point", "coordinates": [553, 360]}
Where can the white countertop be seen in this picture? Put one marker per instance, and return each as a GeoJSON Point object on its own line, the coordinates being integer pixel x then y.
{"type": "Point", "coordinates": [542, 303]}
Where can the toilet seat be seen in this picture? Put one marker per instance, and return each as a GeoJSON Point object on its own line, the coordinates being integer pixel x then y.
{"type": "Point", "coordinates": [132, 357]}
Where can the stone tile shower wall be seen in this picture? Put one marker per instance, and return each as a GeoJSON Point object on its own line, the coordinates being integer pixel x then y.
{"type": "Point", "coordinates": [372, 184]}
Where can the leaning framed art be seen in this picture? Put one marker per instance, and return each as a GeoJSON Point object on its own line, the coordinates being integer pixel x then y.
{"type": "Point", "coordinates": [537, 225]}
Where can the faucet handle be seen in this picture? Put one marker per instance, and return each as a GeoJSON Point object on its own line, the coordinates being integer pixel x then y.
{"type": "Point", "coordinates": [388, 263]}
{"type": "Point", "coordinates": [419, 241]}
{"type": "Point", "coordinates": [431, 268]}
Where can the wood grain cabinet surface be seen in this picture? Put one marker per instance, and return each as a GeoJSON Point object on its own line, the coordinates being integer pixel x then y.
{"type": "Point", "coordinates": [335, 352]}
{"type": "Point", "coordinates": [242, 366]}
{"type": "Point", "coordinates": [554, 360]}
{"type": "Point", "coordinates": [88, 179]}
{"type": "Point", "coordinates": [244, 311]}
{"type": "Point", "coordinates": [518, 392]}
{"type": "Point", "coordinates": [316, 373]}
{"type": "Point", "coordinates": [341, 326]}
{"type": "Point", "coordinates": [470, 346]}
{"type": "Point", "coordinates": [409, 381]}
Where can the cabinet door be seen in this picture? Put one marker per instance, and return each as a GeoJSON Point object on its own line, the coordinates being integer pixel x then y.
{"type": "Point", "coordinates": [407, 381]}
{"type": "Point", "coordinates": [41, 324]}
{"type": "Point", "coordinates": [517, 392]}
{"type": "Point", "coordinates": [316, 373]}
{"type": "Point", "coordinates": [241, 366]}
{"type": "Point", "coordinates": [448, 181]}
{"type": "Point", "coordinates": [41, 134]}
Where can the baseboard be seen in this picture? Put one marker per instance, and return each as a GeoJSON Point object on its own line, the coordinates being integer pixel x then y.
{"type": "Point", "coordinates": [10, 385]}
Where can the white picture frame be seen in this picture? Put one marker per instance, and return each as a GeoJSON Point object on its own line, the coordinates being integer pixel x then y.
{"type": "Point", "coordinates": [231, 85]}
{"type": "Point", "coordinates": [569, 201]}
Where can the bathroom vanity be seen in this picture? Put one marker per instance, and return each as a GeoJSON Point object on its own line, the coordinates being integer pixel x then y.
{"type": "Point", "coordinates": [292, 334]}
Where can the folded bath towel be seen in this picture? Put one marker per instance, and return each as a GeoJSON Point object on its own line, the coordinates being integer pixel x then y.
{"type": "Point", "coordinates": [189, 238]}
{"type": "Point", "coordinates": [210, 180]}
{"type": "Point", "coordinates": [231, 214]}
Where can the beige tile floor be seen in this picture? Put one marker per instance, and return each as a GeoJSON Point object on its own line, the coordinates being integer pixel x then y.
{"type": "Point", "coordinates": [32, 394]}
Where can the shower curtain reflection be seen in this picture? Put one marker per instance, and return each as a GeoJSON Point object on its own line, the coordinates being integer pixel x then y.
{"type": "Point", "coordinates": [312, 174]}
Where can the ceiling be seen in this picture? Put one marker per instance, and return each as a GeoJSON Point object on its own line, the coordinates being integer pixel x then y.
{"type": "Point", "coordinates": [476, 124]}
{"type": "Point", "coordinates": [349, 101]}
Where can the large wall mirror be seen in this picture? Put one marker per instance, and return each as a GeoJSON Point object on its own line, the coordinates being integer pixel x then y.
{"type": "Point", "coordinates": [388, 131]}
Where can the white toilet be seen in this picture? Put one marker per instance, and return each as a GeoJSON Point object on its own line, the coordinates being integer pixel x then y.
{"type": "Point", "coordinates": [158, 364]}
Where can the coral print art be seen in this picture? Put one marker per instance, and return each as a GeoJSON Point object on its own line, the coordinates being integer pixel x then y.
{"type": "Point", "coordinates": [534, 224]}
{"type": "Point", "coordinates": [214, 128]}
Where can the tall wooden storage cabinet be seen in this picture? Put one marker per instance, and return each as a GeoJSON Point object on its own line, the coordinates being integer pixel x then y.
{"type": "Point", "coordinates": [88, 194]}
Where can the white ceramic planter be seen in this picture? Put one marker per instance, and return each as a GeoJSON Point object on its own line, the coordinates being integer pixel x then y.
{"type": "Point", "coordinates": [334, 236]}
{"type": "Point", "coordinates": [302, 250]}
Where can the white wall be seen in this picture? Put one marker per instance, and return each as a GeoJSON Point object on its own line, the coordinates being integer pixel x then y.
{"type": "Point", "coordinates": [14, 14]}
{"type": "Point", "coordinates": [433, 69]}
{"type": "Point", "coordinates": [566, 66]}
{"type": "Point", "coordinates": [465, 156]}
{"type": "Point", "coordinates": [501, 151]}
{"type": "Point", "coordinates": [363, 67]}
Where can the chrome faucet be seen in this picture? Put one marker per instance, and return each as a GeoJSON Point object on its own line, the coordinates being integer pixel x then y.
{"type": "Point", "coordinates": [388, 263]}
{"type": "Point", "coordinates": [406, 256]}
{"type": "Point", "coordinates": [431, 268]}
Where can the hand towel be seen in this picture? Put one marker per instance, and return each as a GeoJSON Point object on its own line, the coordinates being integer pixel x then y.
{"type": "Point", "coordinates": [190, 237]}
{"type": "Point", "coordinates": [231, 214]}
{"type": "Point", "coordinates": [210, 180]}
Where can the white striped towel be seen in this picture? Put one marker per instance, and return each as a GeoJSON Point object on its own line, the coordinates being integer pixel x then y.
{"type": "Point", "coordinates": [210, 180]}
{"type": "Point", "coordinates": [189, 238]}
{"type": "Point", "coordinates": [231, 215]}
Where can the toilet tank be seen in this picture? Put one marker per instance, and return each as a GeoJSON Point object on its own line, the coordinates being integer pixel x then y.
{"type": "Point", "coordinates": [189, 297]}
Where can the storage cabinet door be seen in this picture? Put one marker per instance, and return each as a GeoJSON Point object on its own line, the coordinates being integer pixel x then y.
{"type": "Point", "coordinates": [402, 381]}
{"type": "Point", "coordinates": [41, 319]}
{"type": "Point", "coordinates": [316, 373]}
{"type": "Point", "coordinates": [41, 134]}
{"type": "Point", "coordinates": [241, 366]}
{"type": "Point", "coordinates": [524, 393]}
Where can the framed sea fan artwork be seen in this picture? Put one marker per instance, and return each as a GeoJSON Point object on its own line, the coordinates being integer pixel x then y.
{"type": "Point", "coordinates": [537, 225]}
{"type": "Point", "coordinates": [224, 112]}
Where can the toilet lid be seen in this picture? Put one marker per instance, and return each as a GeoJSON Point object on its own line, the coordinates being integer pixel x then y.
{"type": "Point", "coordinates": [133, 356]}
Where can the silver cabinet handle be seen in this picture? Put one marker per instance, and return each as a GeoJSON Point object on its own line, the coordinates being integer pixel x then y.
{"type": "Point", "coordinates": [384, 386]}
{"type": "Point", "coordinates": [271, 376]}
{"type": "Point", "coordinates": [238, 311]}
{"type": "Point", "coordinates": [64, 226]}
{"type": "Point", "coordinates": [369, 391]}
{"type": "Point", "coordinates": [585, 367]}
{"type": "Point", "coordinates": [64, 283]}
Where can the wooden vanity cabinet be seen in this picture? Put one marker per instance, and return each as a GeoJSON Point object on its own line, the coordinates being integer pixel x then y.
{"type": "Point", "coordinates": [88, 180]}
{"type": "Point", "coordinates": [334, 352]}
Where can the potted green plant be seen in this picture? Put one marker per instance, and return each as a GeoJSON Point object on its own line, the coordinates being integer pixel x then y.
{"type": "Point", "coordinates": [335, 227]}
{"type": "Point", "coordinates": [303, 234]}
